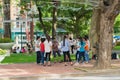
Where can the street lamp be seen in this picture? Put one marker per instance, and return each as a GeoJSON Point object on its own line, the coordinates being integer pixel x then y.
{"type": "Point", "coordinates": [21, 34]}
{"type": "Point", "coordinates": [20, 26]}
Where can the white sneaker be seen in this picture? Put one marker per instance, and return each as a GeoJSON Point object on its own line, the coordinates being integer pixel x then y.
{"type": "Point", "coordinates": [76, 64]}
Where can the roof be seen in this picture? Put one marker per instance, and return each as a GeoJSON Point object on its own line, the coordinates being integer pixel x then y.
{"type": "Point", "coordinates": [60, 30]}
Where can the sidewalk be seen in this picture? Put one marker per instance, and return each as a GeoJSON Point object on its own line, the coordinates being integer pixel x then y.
{"type": "Point", "coordinates": [32, 69]}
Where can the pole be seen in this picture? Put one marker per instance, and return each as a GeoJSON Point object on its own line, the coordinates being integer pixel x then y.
{"type": "Point", "coordinates": [21, 35]}
{"type": "Point", "coordinates": [31, 32]}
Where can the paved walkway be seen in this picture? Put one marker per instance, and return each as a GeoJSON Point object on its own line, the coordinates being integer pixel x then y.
{"type": "Point", "coordinates": [34, 69]}
{"type": "Point", "coordinates": [57, 69]}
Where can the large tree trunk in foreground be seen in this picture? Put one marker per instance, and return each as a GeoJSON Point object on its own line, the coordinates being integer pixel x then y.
{"type": "Point", "coordinates": [106, 18]}
{"type": "Point", "coordinates": [105, 42]}
{"type": "Point", "coordinates": [94, 31]}
{"type": "Point", "coordinates": [7, 25]}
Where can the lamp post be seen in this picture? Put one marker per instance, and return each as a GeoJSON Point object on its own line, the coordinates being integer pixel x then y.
{"type": "Point", "coordinates": [21, 34]}
{"type": "Point", "coordinates": [20, 26]}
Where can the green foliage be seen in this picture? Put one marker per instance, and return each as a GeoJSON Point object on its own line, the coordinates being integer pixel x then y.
{"type": "Point", "coordinates": [79, 18]}
{"type": "Point", "coordinates": [2, 52]}
{"type": "Point", "coordinates": [117, 25]}
{"type": "Point", "coordinates": [39, 27]}
{"type": "Point", "coordinates": [118, 44]}
{"type": "Point", "coordinates": [5, 40]}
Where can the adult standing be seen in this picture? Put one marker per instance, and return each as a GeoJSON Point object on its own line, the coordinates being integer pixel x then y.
{"type": "Point", "coordinates": [87, 45]}
{"type": "Point", "coordinates": [42, 50]}
{"type": "Point", "coordinates": [78, 50]}
{"type": "Point", "coordinates": [65, 47]}
{"type": "Point", "coordinates": [48, 50]}
{"type": "Point", "coordinates": [37, 50]}
{"type": "Point", "coordinates": [82, 50]}
{"type": "Point", "coordinates": [55, 49]}
{"type": "Point", "coordinates": [71, 45]}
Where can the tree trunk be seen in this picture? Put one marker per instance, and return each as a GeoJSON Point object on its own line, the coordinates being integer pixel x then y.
{"type": "Point", "coordinates": [104, 30]}
{"type": "Point", "coordinates": [7, 25]}
{"type": "Point", "coordinates": [105, 42]}
{"type": "Point", "coordinates": [54, 24]}
{"type": "Point", "coordinates": [41, 21]}
{"type": "Point", "coordinates": [94, 31]}
{"type": "Point", "coordinates": [31, 33]}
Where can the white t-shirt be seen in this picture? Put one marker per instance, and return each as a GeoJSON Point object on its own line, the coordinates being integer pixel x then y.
{"type": "Point", "coordinates": [48, 46]}
{"type": "Point", "coordinates": [18, 50]}
{"type": "Point", "coordinates": [71, 42]}
{"type": "Point", "coordinates": [66, 47]}
{"type": "Point", "coordinates": [88, 43]}
{"type": "Point", "coordinates": [37, 46]}
{"type": "Point", "coordinates": [78, 45]}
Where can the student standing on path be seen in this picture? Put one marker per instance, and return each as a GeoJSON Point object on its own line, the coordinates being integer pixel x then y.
{"type": "Point", "coordinates": [48, 50]}
{"type": "Point", "coordinates": [42, 50]}
{"type": "Point", "coordinates": [82, 50]}
{"type": "Point", "coordinates": [37, 50]}
{"type": "Point", "coordinates": [86, 50]}
{"type": "Point", "coordinates": [65, 47]}
{"type": "Point", "coordinates": [56, 50]}
{"type": "Point", "coordinates": [78, 50]}
{"type": "Point", "coordinates": [71, 45]}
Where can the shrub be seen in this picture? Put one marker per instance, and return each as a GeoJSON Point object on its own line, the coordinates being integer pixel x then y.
{"type": "Point", "coordinates": [2, 52]}
{"type": "Point", "coordinates": [5, 40]}
{"type": "Point", "coordinates": [118, 44]}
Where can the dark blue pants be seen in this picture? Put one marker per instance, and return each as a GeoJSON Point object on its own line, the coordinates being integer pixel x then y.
{"type": "Point", "coordinates": [82, 56]}
{"type": "Point", "coordinates": [77, 56]}
{"type": "Point", "coordinates": [38, 57]}
{"type": "Point", "coordinates": [42, 57]}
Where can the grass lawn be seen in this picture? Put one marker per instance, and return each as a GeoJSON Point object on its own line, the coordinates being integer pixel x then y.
{"type": "Point", "coordinates": [25, 58]}
{"type": "Point", "coordinates": [116, 48]}
{"type": "Point", "coordinates": [20, 58]}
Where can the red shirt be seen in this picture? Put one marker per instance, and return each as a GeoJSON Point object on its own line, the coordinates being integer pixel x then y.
{"type": "Point", "coordinates": [42, 47]}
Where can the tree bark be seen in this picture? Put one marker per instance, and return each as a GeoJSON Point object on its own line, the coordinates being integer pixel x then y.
{"type": "Point", "coordinates": [41, 21]}
{"type": "Point", "coordinates": [54, 24]}
{"type": "Point", "coordinates": [40, 17]}
{"type": "Point", "coordinates": [105, 42]}
{"type": "Point", "coordinates": [7, 25]}
{"type": "Point", "coordinates": [94, 31]}
{"type": "Point", "coordinates": [107, 15]}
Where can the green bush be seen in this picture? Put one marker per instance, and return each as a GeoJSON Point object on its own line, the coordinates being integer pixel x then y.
{"type": "Point", "coordinates": [2, 51]}
{"type": "Point", "coordinates": [118, 44]}
{"type": "Point", "coordinates": [5, 40]}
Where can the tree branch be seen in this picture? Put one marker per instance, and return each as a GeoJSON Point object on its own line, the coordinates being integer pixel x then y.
{"type": "Point", "coordinates": [114, 9]}
{"type": "Point", "coordinates": [40, 18]}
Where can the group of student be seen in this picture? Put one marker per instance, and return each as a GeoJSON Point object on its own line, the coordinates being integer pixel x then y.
{"type": "Point", "coordinates": [18, 50]}
{"type": "Point", "coordinates": [45, 47]}
{"type": "Point", "coordinates": [82, 47]}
